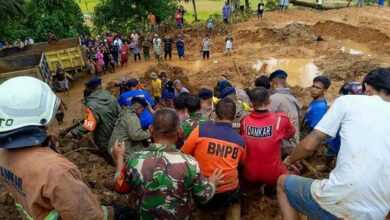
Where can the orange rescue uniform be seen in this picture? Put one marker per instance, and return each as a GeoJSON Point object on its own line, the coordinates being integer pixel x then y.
{"type": "Point", "coordinates": [217, 146]}
{"type": "Point", "coordinates": [44, 183]}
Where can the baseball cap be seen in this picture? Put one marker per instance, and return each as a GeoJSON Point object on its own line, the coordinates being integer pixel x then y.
{"type": "Point", "coordinates": [278, 74]}
{"type": "Point", "coordinates": [132, 83]}
{"type": "Point", "coordinates": [95, 81]}
{"type": "Point", "coordinates": [205, 94]}
{"type": "Point", "coordinates": [227, 91]}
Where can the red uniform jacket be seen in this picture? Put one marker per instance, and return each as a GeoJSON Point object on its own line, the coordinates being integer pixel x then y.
{"type": "Point", "coordinates": [263, 132]}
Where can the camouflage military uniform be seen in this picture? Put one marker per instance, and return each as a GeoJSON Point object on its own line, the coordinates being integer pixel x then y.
{"type": "Point", "coordinates": [192, 122]}
{"type": "Point", "coordinates": [164, 178]}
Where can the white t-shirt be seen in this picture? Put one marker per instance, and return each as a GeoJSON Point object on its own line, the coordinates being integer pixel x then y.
{"type": "Point", "coordinates": [119, 42]}
{"type": "Point", "coordinates": [229, 44]}
{"type": "Point", "coordinates": [359, 186]}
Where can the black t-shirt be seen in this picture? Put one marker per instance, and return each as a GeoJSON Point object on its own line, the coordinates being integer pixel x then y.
{"type": "Point", "coordinates": [60, 75]}
{"type": "Point", "coordinates": [167, 44]}
{"type": "Point", "coordinates": [168, 86]}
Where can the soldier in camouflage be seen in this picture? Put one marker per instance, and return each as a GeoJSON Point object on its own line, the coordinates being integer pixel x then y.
{"type": "Point", "coordinates": [163, 177]}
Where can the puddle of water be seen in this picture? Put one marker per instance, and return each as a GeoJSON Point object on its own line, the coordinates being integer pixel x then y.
{"type": "Point", "coordinates": [301, 71]}
{"type": "Point", "coordinates": [354, 48]}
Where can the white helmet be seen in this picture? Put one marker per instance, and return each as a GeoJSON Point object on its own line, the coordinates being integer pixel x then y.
{"type": "Point", "coordinates": [26, 101]}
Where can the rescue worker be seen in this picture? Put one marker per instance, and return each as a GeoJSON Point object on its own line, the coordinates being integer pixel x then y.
{"type": "Point", "coordinates": [219, 146]}
{"type": "Point", "coordinates": [171, 176]}
{"type": "Point", "coordinates": [283, 102]}
{"type": "Point", "coordinates": [230, 92]}
{"type": "Point", "coordinates": [192, 105]}
{"type": "Point", "coordinates": [128, 127]}
{"type": "Point", "coordinates": [43, 183]}
{"type": "Point", "coordinates": [262, 131]}
{"type": "Point", "coordinates": [102, 111]}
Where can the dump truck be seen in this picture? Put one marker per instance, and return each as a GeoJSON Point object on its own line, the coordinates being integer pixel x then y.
{"type": "Point", "coordinates": [67, 52]}
{"type": "Point", "coordinates": [34, 65]}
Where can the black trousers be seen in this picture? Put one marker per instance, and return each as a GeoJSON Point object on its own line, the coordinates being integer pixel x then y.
{"type": "Point", "coordinates": [206, 54]}
{"type": "Point", "coordinates": [135, 57]}
{"type": "Point", "coordinates": [168, 53]}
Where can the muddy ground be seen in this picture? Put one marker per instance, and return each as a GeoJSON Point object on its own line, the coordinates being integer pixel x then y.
{"type": "Point", "coordinates": [342, 44]}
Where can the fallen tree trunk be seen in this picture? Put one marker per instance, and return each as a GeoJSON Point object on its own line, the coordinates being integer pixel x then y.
{"type": "Point", "coordinates": [315, 6]}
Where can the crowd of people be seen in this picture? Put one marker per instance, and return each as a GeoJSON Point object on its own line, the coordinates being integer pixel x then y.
{"type": "Point", "coordinates": [175, 145]}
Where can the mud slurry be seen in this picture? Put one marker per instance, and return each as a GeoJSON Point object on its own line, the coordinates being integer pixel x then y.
{"type": "Point", "coordinates": [303, 42]}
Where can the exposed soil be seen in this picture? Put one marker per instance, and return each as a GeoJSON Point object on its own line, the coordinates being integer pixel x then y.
{"type": "Point", "coordinates": [307, 34]}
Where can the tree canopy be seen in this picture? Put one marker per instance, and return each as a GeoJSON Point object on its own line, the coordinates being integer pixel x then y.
{"type": "Point", "coordinates": [125, 15]}
{"type": "Point", "coordinates": [36, 17]}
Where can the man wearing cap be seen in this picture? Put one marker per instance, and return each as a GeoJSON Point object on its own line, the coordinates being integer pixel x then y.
{"type": "Point", "coordinates": [133, 91]}
{"type": "Point", "coordinates": [102, 111]}
{"type": "Point", "coordinates": [179, 88]}
{"type": "Point", "coordinates": [283, 102]}
{"type": "Point", "coordinates": [128, 127]}
{"type": "Point", "coordinates": [156, 87]}
{"type": "Point", "coordinates": [43, 183]}
{"type": "Point", "coordinates": [230, 92]}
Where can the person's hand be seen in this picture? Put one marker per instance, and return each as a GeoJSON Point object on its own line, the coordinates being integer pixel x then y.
{"type": "Point", "coordinates": [118, 150]}
{"type": "Point", "coordinates": [216, 177]}
{"type": "Point", "coordinates": [287, 161]}
{"type": "Point", "coordinates": [69, 135]}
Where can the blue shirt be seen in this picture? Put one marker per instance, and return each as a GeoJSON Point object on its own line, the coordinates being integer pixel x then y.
{"type": "Point", "coordinates": [146, 119]}
{"type": "Point", "coordinates": [125, 98]}
{"type": "Point", "coordinates": [315, 112]}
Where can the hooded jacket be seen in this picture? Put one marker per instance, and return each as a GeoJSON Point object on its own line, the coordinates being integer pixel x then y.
{"type": "Point", "coordinates": [105, 111]}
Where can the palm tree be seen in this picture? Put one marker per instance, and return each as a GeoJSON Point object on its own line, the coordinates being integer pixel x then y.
{"type": "Point", "coordinates": [10, 9]}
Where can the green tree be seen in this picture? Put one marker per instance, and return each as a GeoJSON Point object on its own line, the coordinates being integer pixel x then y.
{"type": "Point", "coordinates": [62, 17]}
{"type": "Point", "coordinates": [11, 9]}
{"type": "Point", "coordinates": [124, 15]}
{"type": "Point", "coordinates": [36, 17]}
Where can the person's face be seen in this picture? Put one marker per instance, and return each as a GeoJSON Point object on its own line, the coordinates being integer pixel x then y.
{"type": "Point", "coordinates": [138, 109]}
{"type": "Point", "coordinates": [178, 87]}
{"type": "Point", "coordinates": [163, 78]}
{"type": "Point", "coordinates": [317, 90]}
